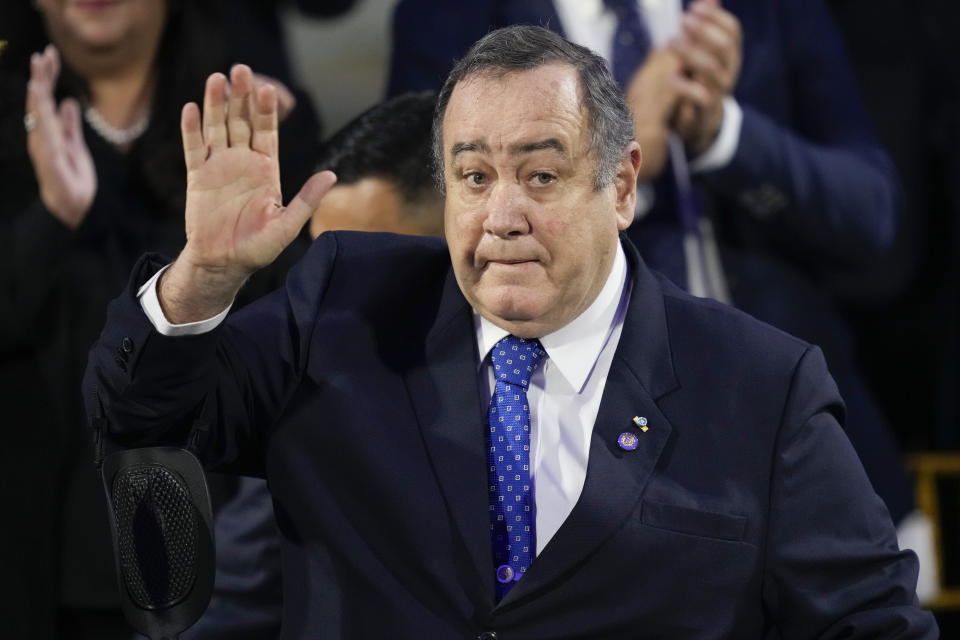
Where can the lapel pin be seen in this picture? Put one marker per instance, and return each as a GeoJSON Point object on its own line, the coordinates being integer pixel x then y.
{"type": "Point", "coordinates": [627, 441]}
{"type": "Point", "coordinates": [641, 422]}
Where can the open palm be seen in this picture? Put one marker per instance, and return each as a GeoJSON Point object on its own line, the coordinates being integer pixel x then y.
{"type": "Point", "coordinates": [235, 219]}
{"type": "Point", "coordinates": [61, 161]}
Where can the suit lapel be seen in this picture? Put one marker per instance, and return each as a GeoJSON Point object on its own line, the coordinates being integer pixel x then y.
{"type": "Point", "coordinates": [446, 400]}
{"type": "Point", "coordinates": [444, 392]}
{"type": "Point", "coordinates": [641, 372]}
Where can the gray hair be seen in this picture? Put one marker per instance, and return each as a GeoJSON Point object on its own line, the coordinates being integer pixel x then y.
{"type": "Point", "coordinates": [523, 47]}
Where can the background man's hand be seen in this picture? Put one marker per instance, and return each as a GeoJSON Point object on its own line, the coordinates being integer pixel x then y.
{"type": "Point", "coordinates": [652, 97]}
{"type": "Point", "coordinates": [235, 219]}
{"type": "Point", "coordinates": [61, 161]}
{"type": "Point", "coordinates": [710, 48]}
{"type": "Point", "coordinates": [286, 101]}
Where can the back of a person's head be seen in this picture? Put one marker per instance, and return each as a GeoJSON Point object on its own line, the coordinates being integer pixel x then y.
{"type": "Point", "coordinates": [390, 142]}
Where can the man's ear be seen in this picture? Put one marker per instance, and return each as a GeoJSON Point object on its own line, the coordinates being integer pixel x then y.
{"type": "Point", "coordinates": [625, 182]}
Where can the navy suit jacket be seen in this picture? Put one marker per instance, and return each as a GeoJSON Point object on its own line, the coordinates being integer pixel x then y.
{"type": "Point", "coordinates": [743, 512]}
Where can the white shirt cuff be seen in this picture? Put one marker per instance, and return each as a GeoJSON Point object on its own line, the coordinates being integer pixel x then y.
{"type": "Point", "coordinates": [150, 304]}
{"type": "Point", "coordinates": [721, 152]}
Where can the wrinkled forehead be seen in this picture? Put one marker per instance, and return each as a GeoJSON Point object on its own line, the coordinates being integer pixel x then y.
{"type": "Point", "coordinates": [503, 103]}
{"type": "Point", "coordinates": [548, 80]}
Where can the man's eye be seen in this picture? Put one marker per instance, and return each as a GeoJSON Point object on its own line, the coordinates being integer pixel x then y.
{"type": "Point", "coordinates": [475, 177]}
{"type": "Point", "coordinates": [543, 178]}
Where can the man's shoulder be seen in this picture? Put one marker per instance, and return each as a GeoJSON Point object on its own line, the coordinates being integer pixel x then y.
{"type": "Point", "coordinates": [382, 253]}
{"type": "Point", "coordinates": [365, 265]}
{"type": "Point", "coordinates": [379, 246]}
{"type": "Point", "coordinates": [704, 330]}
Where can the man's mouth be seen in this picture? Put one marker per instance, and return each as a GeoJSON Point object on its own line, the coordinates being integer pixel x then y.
{"type": "Point", "coordinates": [518, 262]}
{"type": "Point", "coordinates": [94, 5]}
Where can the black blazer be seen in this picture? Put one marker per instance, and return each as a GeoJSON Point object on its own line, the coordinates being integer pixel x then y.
{"type": "Point", "coordinates": [743, 512]}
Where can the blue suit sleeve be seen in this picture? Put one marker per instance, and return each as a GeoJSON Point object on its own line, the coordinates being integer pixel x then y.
{"type": "Point", "coordinates": [833, 568]}
{"type": "Point", "coordinates": [152, 389]}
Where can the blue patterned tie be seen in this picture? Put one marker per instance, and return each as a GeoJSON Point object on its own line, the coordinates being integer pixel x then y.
{"type": "Point", "coordinates": [512, 514]}
{"type": "Point", "coordinates": [631, 41]}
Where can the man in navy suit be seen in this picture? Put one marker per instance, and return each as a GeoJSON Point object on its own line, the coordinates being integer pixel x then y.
{"type": "Point", "coordinates": [683, 464]}
{"type": "Point", "coordinates": [784, 166]}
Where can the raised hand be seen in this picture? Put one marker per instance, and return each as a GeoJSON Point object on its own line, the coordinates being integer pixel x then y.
{"type": "Point", "coordinates": [235, 219]}
{"type": "Point", "coordinates": [61, 161]}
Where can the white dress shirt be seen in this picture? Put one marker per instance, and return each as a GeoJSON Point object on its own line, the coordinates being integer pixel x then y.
{"type": "Point", "coordinates": [564, 396]}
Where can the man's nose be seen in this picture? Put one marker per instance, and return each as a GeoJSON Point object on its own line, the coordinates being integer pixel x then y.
{"type": "Point", "coordinates": [507, 209]}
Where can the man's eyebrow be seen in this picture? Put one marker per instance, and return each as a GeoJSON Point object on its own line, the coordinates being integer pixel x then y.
{"type": "Point", "coordinates": [465, 147]}
{"type": "Point", "coordinates": [530, 147]}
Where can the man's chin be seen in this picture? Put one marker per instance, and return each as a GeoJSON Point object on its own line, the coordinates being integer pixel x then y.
{"type": "Point", "coordinates": [521, 312]}
{"type": "Point", "coordinates": [516, 303]}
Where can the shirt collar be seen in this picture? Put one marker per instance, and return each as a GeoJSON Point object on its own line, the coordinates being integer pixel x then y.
{"type": "Point", "coordinates": [573, 348]}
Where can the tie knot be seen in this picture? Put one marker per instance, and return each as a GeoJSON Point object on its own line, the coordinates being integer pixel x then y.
{"type": "Point", "coordinates": [515, 359]}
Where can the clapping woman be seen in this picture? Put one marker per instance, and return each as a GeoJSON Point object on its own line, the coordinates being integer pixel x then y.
{"type": "Point", "coordinates": [91, 176]}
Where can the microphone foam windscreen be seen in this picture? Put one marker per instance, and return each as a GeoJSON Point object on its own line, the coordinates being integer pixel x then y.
{"type": "Point", "coordinates": [157, 535]}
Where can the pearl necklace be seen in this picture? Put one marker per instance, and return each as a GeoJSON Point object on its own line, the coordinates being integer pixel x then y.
{"type": "Point", "coordinates": [115, 135]}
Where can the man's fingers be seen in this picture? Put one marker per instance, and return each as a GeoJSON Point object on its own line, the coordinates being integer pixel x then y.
{"type": "Point", "coordinates": [726, 21]}
{"type": "Point", "coordinates": [708, 35]}
{"type": "Point", "coordinates": [693, 91]}
{"type": "Point", "coordinates": [717, 31]}
{"type": "Point", "coordinates": [238, 112]}
{"type": "Point", "coordinates": [308, 199]}
{"type": "Point", "coordinates": [214, 112]}
{"type": "Point", "coordinates": [699, 62]}
{"type": "Point", "coordinates": [194, 149]}
{"type": "Point", "coordinates": [264, 119]}
{"type": "Point", "coordinates": [650, 94]}
{"type": "Point", "coordinates": [685, 119]}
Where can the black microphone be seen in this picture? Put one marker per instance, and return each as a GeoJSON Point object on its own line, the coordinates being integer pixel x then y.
{"type": "Point", "coordinates": [162, 526]}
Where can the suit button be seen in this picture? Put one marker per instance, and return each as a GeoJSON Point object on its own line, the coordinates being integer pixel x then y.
{"type": "Point", "coordinates": [487, 635]}
{"type": "Point", "coordinates": [127, 345]}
